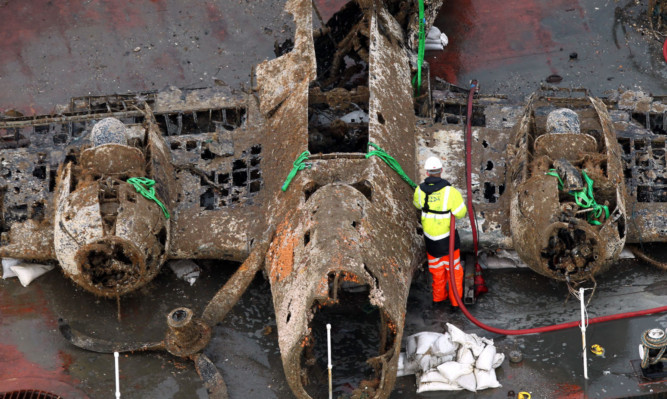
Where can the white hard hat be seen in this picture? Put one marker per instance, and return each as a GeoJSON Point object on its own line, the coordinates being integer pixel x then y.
{"type": "Point", "coordinates": [432, 163]}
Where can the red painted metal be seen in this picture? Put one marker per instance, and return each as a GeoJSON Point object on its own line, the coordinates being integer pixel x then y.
{"type": "Point", "coordinates": [482, 38]}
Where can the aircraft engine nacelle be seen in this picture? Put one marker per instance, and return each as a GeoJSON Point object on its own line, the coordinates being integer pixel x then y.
{"type": "Point", "coordinates": [108, 238]}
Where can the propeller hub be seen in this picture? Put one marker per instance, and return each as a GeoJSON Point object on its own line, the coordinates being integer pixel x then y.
{"type": "Point", "coordinates": [187, 335]}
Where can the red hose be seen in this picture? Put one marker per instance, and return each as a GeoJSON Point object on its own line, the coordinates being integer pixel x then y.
{"type": "Point", "coordinates": [664, 50]}
{"type": "Point", "coordinates": [535, 330]}
{"type": "Point", "coordinates": [480, 285]}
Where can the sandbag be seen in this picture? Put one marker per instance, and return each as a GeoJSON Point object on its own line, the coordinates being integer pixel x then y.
{"type": "Point", "coordinates": [405, 366]}
{"type": "Point", "coordinates": [425, 363]}
{"type": "Point", "coordinates": [185, 269]}
{"type": "Point", "coordinates": [27, 272]}
{"type": "Point", "coordinates": [486, 358]}
{"type": "Point", "coordinates": [451, 371]}
{"type": "Point", "coordinates": [438, 386]}
{"type": "Point", "coordinates": [7, 264]}
{"type": "Point", "coordinates": [431, 376]}
{"type": "Point", "coordinates": [425, 340]}
{"type": "Point", "coordinates": [433, 46]}
{"type": "Point", "coordinates": [464, 356]}
{"type": "Point", "coordinates": [486, 379]}
{"type": "Point", "coordinates": [411, 346]}
{"type": "Point", "coordinates": [443, 346]}
{"type": "Point", "coordinates": [457, 336]}
{"type": "Point", "coordinates": [471, 341]}
{"type": "Point", "coordinates": [433, 33]}
{"type": "Point", "coordinates": [468, 381]}
{"type": "Point", "coordinates": [475, 344]}
{"type": "Point", "coordinates": [443, 359]}
{"type": "Point", "coordinates": [498, 359]}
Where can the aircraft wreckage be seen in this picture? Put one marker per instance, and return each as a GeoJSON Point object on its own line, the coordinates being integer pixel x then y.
{"type": "Point", "coordinates": [343, 234]}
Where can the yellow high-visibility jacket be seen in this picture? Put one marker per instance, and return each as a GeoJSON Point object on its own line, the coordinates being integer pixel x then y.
{"type": "Point", "coordinates": [443, 201]}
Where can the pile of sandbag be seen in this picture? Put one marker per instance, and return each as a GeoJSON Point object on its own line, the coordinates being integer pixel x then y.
{"type": "Point", "coordinates": [26, 272]}
{"type": "Point", "coordinates": [451, 361]}
{"type": "Point", "coordinates": [435, 40]}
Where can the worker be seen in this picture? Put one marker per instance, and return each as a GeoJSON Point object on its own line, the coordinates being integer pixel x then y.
{"type": "Point", "coordinates": [438, 200]}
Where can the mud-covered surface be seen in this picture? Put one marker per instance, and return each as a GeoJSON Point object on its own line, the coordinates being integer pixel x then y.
{"type": "Point", "coordinates": [245, 346]}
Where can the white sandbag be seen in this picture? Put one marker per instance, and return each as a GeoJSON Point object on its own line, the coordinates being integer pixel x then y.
{"type": "Point", "coordinates": [451, 371]}
{"type": "Point", "coordinates": [438, 360]}
{"type": "Point", "coordinates": [467, 381]}
{"type": "Point", "coordinates": [438, 386]}
{"type": "Point", "coordinates": [443, 359]}
{"type": "Point", "coordinates": [406, 367]}
{"type": "Point", "coordinates": [401, 365]}
{"type": "Point", "coordinates": [475, 344]}
{"type": "Point", "coordinates": [485, 359]}
{"type": "Point", "coordinates": [411, 346]}
{"type": "Point", "coordinates": [27, 272]}
{"type": "Point", "coordinates": [425, 363]}
{"type": "Point", "coordinates": [357, 116]}
{"type": "Point", "coordinates": [425, 340]}
{"type": "Point", "coordinates": [444, 39]}
{"type": "Point", "coordinates": [433, 46]}
{"type": "Point", "coordinates": [431, 376]}
{"type": "Point", "coordinates": [456, 334]}
{"type": "Point", "coordinates": [471, 341]}
{"type": "Point", "coordinates": [443, 346]}
{"type": "Point", "coordinates": [411, 366]}
{"type": "Point", "coordinates": [7, 264]}
{"type": "Point", "coordinates": [464, 356]}
{"type": "Point", "coordinates": [185, 269]}
{"type": "Point", "coordinates": [433, 33]}
{"type": "Point", "coordinates": [498, 359]}
{"type": "Point", "coordinates": [486, 379]}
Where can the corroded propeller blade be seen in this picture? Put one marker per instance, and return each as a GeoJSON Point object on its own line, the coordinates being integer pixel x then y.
{"type": "Point", "coordinates": [83, 341]}
{"type": "Point", "coordinates": [210, 375]}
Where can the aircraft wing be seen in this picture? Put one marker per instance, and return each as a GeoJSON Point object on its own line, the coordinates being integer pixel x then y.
{"type": "Point", "coordinates": [216, 153]}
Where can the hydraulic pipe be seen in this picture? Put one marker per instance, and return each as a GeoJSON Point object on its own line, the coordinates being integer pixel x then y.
{"type": "Point", "coordinates": [535, 330]}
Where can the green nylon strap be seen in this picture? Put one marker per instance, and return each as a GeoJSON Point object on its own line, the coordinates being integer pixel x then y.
{"type": "Point", "coordinates": [584, 198]}
{"type": "Point", "coordinates": [389, 160]}
{"type": "Point", "coordinates": [144, 186]}
{"type": "Point", "coordinates": [299, 164]}
{"type": "Point", "coordinates": [417, 80]}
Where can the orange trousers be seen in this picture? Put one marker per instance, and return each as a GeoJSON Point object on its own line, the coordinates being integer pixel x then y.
{"type": "Point", "coordinates": [439, 268]}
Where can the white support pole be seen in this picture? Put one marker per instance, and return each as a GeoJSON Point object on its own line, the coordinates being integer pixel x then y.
{"type": "Point", "coordinates": [115, 355]}
{"type": "Point", "coordinates": [583, 331]}
{"type": "Point", "coordinates": [329, 358]}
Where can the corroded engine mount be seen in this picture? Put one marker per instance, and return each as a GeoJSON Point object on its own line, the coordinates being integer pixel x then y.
{"type": "Point", "coordinates": [553, 233]}
{"type": "Point", "coordinates": [108, 238]}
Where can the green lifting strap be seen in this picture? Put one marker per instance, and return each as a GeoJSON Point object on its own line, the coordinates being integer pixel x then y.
{"type": "Point", "coordinates": [389, 160]}
{"type": "Point", "coordinates": [417, 80]}
{"type": "Point", "coordinates": [144, 186]}
{"type": "Point", "coordinates": [584, 198]}
{"type": "Point", "coordinates": [299, 164]}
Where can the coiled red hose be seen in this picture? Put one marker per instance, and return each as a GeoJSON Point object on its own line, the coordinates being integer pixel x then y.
{"type": "Point", "coordinates": [536, 330]}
